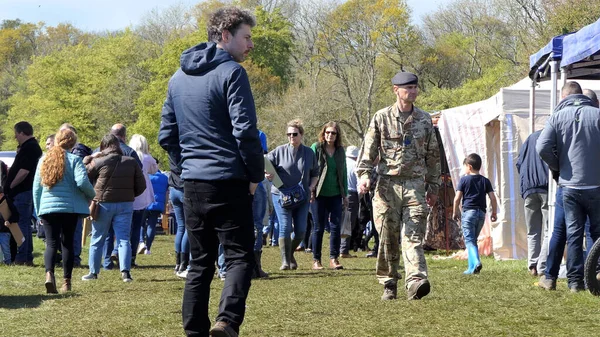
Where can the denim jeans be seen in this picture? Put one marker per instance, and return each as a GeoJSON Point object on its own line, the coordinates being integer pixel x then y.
{"type": "Point", "coordinates": [578, 205]}
{"type": "Point", "coordinates": [181, 238]}
{"type": "Point", "coordinates": [136, 228]}
{"type": "Point", "coordinates": [259, 208]}
{"type": "Point", "coordinates": [221, 262]}
{"type": "Point", "coordinates": [217, 212]}
{"type": "Point", "coordinates": [471, 223]}
{"type": "Point", "coordinates": [24, 204]}
{"type": "Point", "coordinates": [291, 220]}
{"type": "Point", "coordinates": [5, 247]}
{"type": "Point", "coordinates": [109, 247]}
{"type": "Point", "coordinates": [149, 221]}
{"type": "Point", "coordinates": [558, 240]}
{"type": "Point", "coordinates": [329, 210]}
{"type": "Point", "coordinates": [117, 214]}
{"type": "Point", "coordinates": [77, 236]}
{"type": "Point", "coordinates": [272, 228]}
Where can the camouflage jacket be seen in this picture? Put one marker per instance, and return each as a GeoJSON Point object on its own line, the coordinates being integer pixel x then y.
{"type": "Point", "coordinates": [408, 150]}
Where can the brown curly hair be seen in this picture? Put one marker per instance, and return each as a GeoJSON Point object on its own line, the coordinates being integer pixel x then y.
{"type": "Point", "coordinates": [53, 165]}
{"type": "Point", "coordinates": [338, 138]}
{"type": "Point", "coordinates": [230, 19]}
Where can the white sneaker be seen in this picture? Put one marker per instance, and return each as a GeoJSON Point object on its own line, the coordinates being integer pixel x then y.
{"type": "Point", "coordinates": [141, 248]}
{"type": "Point", "coordinates": [182, 274]}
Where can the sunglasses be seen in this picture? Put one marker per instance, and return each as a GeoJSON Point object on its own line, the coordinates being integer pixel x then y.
{"type": "Point", "coordinates": [331, 133]}
{"type": "Point", "coordinates": [293, 134]}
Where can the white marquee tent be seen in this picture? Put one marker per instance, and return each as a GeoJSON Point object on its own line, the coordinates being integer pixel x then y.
{"type": "Point", "coordinates": [495, 129]}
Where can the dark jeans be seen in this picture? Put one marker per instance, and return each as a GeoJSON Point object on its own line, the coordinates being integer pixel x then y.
{"type": "Point", "coordinates": [217, 211]}
{"type": "Point", "coordinates": [578, 205]}
{"type": "Point", "coordinates": [354, 241]}
{"type": "Point", "coordinates": [329, 210]}
{"type": "Point", "coordinates": [57, 226]}
{"type": "Point", "coordinates": [558, 240]}
{"type": "Point", "coordinates": [136, 228]}
{"type": "Point", "coordinates": [24, 204]}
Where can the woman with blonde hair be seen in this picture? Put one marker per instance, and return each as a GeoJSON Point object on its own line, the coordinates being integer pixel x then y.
{"type": "Point", "coordinates": [149, 166]}
{"type": "Point", "coordinates": [331, 193]}
{"type": "Point", "coordinates": [61, 194]}
{"type": "Point", "coordinates": [296, 166]}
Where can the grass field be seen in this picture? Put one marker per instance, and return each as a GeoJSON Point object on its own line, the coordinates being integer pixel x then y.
{"type": "Point", "coordinates": [502, 301]}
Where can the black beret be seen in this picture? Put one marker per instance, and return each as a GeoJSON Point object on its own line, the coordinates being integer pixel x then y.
{"type": "Point", "coordinates": [405, 78]}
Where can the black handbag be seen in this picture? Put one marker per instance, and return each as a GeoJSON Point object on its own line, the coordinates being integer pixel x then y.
{"type": "Point", "coordinates": [292, 197]}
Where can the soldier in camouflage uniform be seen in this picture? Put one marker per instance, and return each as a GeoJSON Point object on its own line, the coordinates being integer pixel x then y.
{"type": "Point", "coordinates": [402, 136]}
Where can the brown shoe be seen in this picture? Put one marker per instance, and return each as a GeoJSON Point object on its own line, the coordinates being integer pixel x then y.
{"type": "Point", "coordinates": [50, 283]}
{"type": "Point", "coordinates": [533, 272]}
{"type": "Point", "coordinates": [347, 256]}
{"type": "Point", "coordinates": [418, 290]}
{"type": "Point", "coordinates": [66, 286]}
{"type": "Point", "coordinates": [335, 264]}
{"type": "Point", "coordinates": [317, 265]}
{"type": "Point", "coordinates": [222, 329]}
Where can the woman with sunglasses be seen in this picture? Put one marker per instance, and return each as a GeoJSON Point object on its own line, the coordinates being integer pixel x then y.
{"type": "Point", "coordinates": [331, 193]}
{"type": "Point", "coordinates": [295, 164]}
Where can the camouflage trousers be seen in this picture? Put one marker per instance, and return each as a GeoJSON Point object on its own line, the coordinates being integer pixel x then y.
{"type": "Point", "coordinates": [400, 212]}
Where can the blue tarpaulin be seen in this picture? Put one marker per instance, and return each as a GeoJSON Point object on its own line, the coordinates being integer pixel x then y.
{"type": "Point", "coordinates": [555, 46]}
{"type": "Point", "coordinates": [582, 44]}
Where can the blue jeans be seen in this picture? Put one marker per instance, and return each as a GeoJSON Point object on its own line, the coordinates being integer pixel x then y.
{"type": "Point", "coordinates": [150, 219]}
{"type": "Point", "coordinates": [472, 222]}
{"type": "Point", "coordinates": [117, 214]}
{"type": "Point", "coordinates": [77, 236]}
{"type": "Point", "coordinates": [24, 204]}
{"type": "Point", "coordinates": [109, 247]}
{"type": "Point", "coordinates": [181, 239]}
{"type": "Point", "coordinates": [259, 208]}
{"type": "Point", "coordinates": [578, 205]}
{"type": "Point", "coordinates": [221, 262]}
{"type": "Point", "coordinates": [329, 210]}
{"type": "Point", "coordinates": [5, 247]}
{"type": "Point", "coordinates": [558, 239]}
{"type": "Point", "coordinates": [289, 218]}
{"type": "Point", "coordinates": [272, 228]}
{"type": "Point", "coordinates": [136, 228]}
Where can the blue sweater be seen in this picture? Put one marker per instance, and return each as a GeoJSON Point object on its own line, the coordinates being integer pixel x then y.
{"type": "Point", "coordinates": [70, 195]}
{"type": "Point", "coordinates": [210, 118]}
{"type": "Point", "coordinates": [160, 184]}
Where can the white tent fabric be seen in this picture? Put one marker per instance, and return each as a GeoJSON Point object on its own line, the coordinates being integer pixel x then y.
{"type": "Point", "coordinates": [495, 129]}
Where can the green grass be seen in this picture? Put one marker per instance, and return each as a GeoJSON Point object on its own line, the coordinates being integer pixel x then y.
{"type": "Point", "coordinates": [503, 300]}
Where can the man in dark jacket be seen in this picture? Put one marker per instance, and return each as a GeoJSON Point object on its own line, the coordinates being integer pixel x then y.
{"type": "Point", "coordinates": [569, 145]}
{"type": "Point", "coordinates": [209, 117]}
{"type": "Point", "coordinates": [533, 173]}
{"type": "Point", "coordinates": [18, 186]}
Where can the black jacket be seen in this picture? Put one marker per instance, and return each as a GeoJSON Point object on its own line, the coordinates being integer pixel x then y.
{"type": "Point", "coordinates": [209, 117]}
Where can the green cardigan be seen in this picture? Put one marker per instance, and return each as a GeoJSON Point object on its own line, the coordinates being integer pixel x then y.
{"type": "Point", "coordinates": [340, 161]}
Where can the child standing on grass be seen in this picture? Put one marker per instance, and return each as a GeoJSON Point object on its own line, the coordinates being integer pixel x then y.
{"type": "Point", "coordinates": [472, 189]}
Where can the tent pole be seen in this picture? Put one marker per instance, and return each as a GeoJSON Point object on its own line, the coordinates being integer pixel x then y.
{"type": "Point", "coordinates": [532, 107]}
{"type": "Point", "coordinates": [551, 182]}
{"type": "Point", "coordinates": [563, 76]}
{"type": "Point", "coordinates": [554, 81]}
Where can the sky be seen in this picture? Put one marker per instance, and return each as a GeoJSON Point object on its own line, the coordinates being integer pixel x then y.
{"type": "Point", "coordinates": [101, 15]}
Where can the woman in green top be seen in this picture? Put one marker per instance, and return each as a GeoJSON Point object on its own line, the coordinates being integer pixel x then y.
{"type": "Point", "coordinates": [331, 193]}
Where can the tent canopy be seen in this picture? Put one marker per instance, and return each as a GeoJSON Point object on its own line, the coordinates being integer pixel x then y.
{"type": "Point", "coordinates": [581, 56]}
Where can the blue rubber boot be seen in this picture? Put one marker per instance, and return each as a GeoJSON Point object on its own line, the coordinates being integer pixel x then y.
{"type": "Point", "coordinates": [474, 257]}
{"type": "Point", "coordinates": [471, 267]}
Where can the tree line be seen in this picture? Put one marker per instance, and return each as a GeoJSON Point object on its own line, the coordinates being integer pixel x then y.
{"type": "Point", "coordinates": [319, 60]}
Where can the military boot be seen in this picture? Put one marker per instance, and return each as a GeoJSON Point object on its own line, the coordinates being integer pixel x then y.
{"type": "Point", "coordinates": [390, 290]}
{"type": "Point", "coordinates": [418, 289]}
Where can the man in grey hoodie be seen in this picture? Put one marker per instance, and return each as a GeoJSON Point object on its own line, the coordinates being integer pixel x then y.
{"type": "Point", "coordinates": [209, 118]}
{"type": "Point", "coordinates": [569, 145]}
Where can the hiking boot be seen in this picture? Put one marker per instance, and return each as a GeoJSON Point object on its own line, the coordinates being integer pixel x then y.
{"type": "Point", "coordinates": [126, 276]}
{"type": "Point", "coordinates": [418, 289]}
{"type": "Point", "coordinates": [66, 286]}
{"type": "Point", "coordinates": [317, 265]}
{"type": "Point", "coordinates": [335, 264]}
{"type": "Point", "coordinates": [222, 329]}
{"type": "Point", "coordinates": [89, 277]}
{"type": "Point", "coordinates": [50, 283]}
{"type": "Point", "coordinates": [546, 283]}
{"type": "Point", "coordinates": [390, 290]}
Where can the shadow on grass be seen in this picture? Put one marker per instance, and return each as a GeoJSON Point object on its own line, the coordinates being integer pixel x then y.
{"type": "Point", "coordinates": [349, 273]}
{"type": "Point", "coordinates": [29, 301]}
{"type": "Point", "coordinates": [153, 266]}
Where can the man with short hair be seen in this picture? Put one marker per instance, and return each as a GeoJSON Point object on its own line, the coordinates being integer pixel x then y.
{"type": "Point", "coordinates": [355, 240]}
{"type": "Point", "coordinates": [592, 95]}
{"type": "Point", "coordinates": [210, 118]}
{"type": "Point", "coordinates": [19, 184]}
{"type": "Point", "coordinates": [569, 145]}
{"type": "Point", "coordinates": [49, 142]}
{"type": "Point", "coordinates": [402, 136]}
